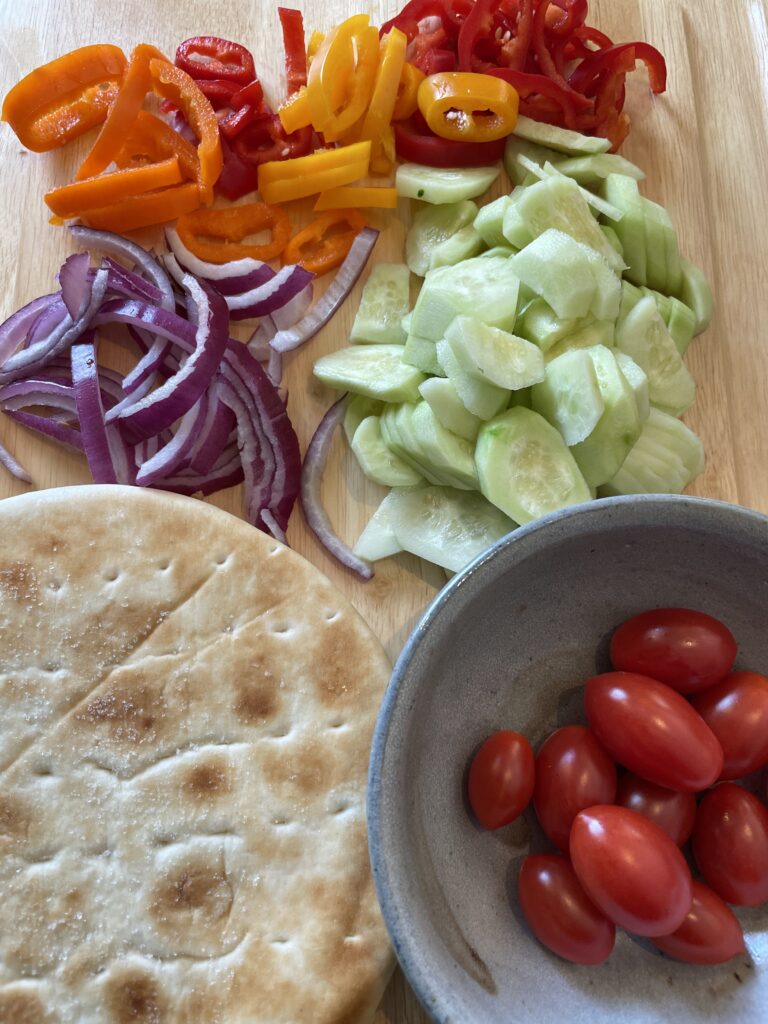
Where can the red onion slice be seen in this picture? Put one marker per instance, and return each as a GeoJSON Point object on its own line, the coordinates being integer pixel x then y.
{"type": "Point", "coordinates": [168, 458]}
{"type": "Point", "coordinates": [24, 393]}
{"type": "Point", "coordinates": [215, 432]}
{"type": "Point", "coordinates": [287, 283]}
{"type": "Point", "coordinates": [294, 309]}
{"type": "Point", "coordinates": [50, 318]}
{"type": "Point", "coordinates": [59, 432]}
{"type": "Point", "coordinates": [147, 367]}
{"type": "Point", "coordinates": [322, 311]}
{"type": "Point", "coordinates": [85, 377]}
{"type": "Point", "coordinates": [132, 285]}
{"type": "Point", "coordinates": [151, 318]}
{"type": "Point", "coordinates": [311, 502]}
{"type": "Point", "coordinates": [231, 278]}
{"type": "Point", "coordinates": [15, 329]}
{"type": "Point", "coordinates": [73, 279]}
{"type": "Point", "coordinates": [116, 245]}
{"type": "Point", "coordinates": [14, 468]}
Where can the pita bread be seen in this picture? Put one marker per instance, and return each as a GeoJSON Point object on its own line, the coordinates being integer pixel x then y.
{"type": "Point", "coordinates": [186, 709]}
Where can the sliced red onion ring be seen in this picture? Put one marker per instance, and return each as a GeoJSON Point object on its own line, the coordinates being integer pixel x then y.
{"type": "Point", "coordinates": [132, 285]}
{"type": "Point", "coordinates": [115, 411]}
{"type": "Point", "coordinates": [294, 309]}
{"type": "Point", "coordinates": [258, 343]}
{"type": "Point", "coordinates": [25, 393]}
{"type": "Point", "coordinates": [50, 318]}
{"type": "Point", "coordinates": [50, 428]}
{"type": "Point", "coordinates": [311, 502]}
{"type": "Point", "coordinates": [116, 245]}
{"type": "Point", "coordinates": [215, 432]}
{"type": "Point", "coordinates": [231, 278]}
{"type": "Point", "coordinates": [85, 376]}
{"type": "Point", "coordinates": [75, 286]}
{"type": "Point", "coordinates": [219, 479]}
{"type": "Point", "coordinates": [147, 367]}
{"type": "Point", "coordinates": [168, 458]}
{"type": "Point", "coordinates": [15, 329]}
{"type": "Point", "coordinates": [322, 311]}
{"type": "Point", "coordinates": [275, 367]}
{"type": "Point", "coordinates": [14, 468]}
{"type": "Point", "coordinates": [284, 286]}
{"type": "Point", "coordinates": [151, 318]}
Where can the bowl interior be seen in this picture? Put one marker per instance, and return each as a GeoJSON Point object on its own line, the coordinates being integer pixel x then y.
{"type": "Point", "coordinates": [507, 645]}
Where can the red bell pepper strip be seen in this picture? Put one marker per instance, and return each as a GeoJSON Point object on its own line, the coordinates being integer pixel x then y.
{"type": "Point", "coordinates": [572, 14]}
{"type": "Point", "coordinates": [438, 60]}
{"type": "Point", "coordinates": [250, 95]}
{"type": "Point", "coordinates": [237, 178]}
{"type": "Point", "coordinates": [236, 121]}
{"type": "Point", "coordinates": [496, 33]}
{"type": "Point", "coordinates": [416, 10]}
{"type": "Point", "coordinates": [415, 142]}
{"type": "Point", "coordinates": [545, 59]}
{"type": "Point", "coordinates": [585, 76]}
{"type": "Point", "coordinates": [265, 141]}
{"type": "Point", "coordinates": [219, 91]}
{"type": "Point", "coordinates": [292, 24]}
{"type": "Point", "coordinates": [530, 85]}
{"type": "Point", "coordinates": [209, 57]}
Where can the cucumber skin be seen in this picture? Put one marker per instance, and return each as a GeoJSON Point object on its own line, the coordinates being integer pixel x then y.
{"type": "Point", "coordinates": [377, 461]}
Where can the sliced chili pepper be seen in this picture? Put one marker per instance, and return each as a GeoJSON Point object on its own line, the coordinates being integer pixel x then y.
{"type": "Point", "coordinates": [349, 195]}
{"type": "Point", "coordinates": [143, 210]}
{"type": "Point", "coordinates": [283, 180]}
{"type": "Point", "coordinates": [417, 10]}
{"type": "Point", "coordinates": [546, 61]}
{"type": "Point", "coordinates": [59, 101]}
{"type": "Point", "coordinates": [231, 226]}
{"type": "Point", "coordinates": [292, 24]}
{"type": "Point", "coordinates": [407, 92]}
{"type": "Point", "coordinates": [497, 33]}
{"type": "Point", "coordinates": [414, 141]}
{"type": "Point", "coordinates": [150, 140]}
{"type": "Point", "coordinates": [218, 91]}
{"type": "Point", "coordinates": [251, 95]}
{"type": "Point", "coordinates": [211, 57]}
{"type": "Point", "coordinates": [586, 34]}
{"type": "Point", "coordinates": [530, 86]}
{"type": "Point", "coordinates": [237, 178]}
{"type": "Point", "coordinates": [324, 243]}
{"type": "Point", "coordinates": [585, 75]}
{"type": "Point", "coordinates": [437, 61]}
{"type": "Point", "coordinates": [105, 189]}
{"type": "Point", "coordinates": [565, 16]}
{"type": "Point", "coordinates": [265, 140]}
{"type": "Point", "coordinates": [450, 102]}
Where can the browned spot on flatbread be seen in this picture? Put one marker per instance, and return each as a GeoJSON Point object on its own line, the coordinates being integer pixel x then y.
{"type": "Point", "coordinates": [15, 817]}
{"type": "Point", "coordinates": [302, 770]}
{"type": "Point", "coordinates": [207, 780]}
{"type": "Point", "coordinates": [256, 699]}
{"type": "Point", "coordinates": [22, 1008]}
{"type": "Point", "coordinates": [19, 582]}
{"type": "Point", "coordinates": [133, 997]}
{"type": "Point", "coordinates": [195, 887]}
{"type": "Point", "coordinates": [337, 662]}
{"type": "Point", "coordinates": [132, 714]}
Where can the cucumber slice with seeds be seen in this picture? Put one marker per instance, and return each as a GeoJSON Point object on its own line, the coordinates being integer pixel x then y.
{"type": "Point", "coordinates": [431, 226]}
{"type": "Point", "coordinates": [540, 325]}
{"type": "Point", "coordinates": [420, 352]}
{"type": "Point", "coordinates": [486, 285]}
{"type": "Point", "coordinates": [383, 304]}
{"type": "Point", "coordinates": [595, 332]}
{"type": "Point", "coordinates": [442, 184]}
{"type": "Point", "coordinates": [450, 457]}
{"type": "Point", "coordinates": [644, 336]}
{"type": "Point", "coordinates": [517, 147]}
{"type": "Point", "coordinates": [495, 356]}
{"type": "Point", "coordinates": [557, 268]}
{"type": "Point", "coordinates": [358, 409]}
{"type": "Point", "coordinates": [696, 294]}
{"type": "Point", "coordinates": [465, 244]}
{"type": "Point", "coordinates": [591, 171]}
{"type": "Point", "coordinates": [490, 220]}
{"type": "Point", "coordinates": [569, 396]}
{"type": "Point", "coordinates": [638, 381]}
{"type": "Point", "coordinates": [675, 435]}
{"type": "Point", "coordinates": [377, 460]}
{"type": "Point", "coordinates": [378, 539]}
{"type": "Point", "coordinates": [482, 399]}
{"type": "Point", "coordinates": [561, 139]}
{"type": "Point", "coordinates": [377, 371]}
{"type": "Point", "coordinates": [443, 399]}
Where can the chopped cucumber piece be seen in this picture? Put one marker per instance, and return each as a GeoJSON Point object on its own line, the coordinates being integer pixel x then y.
{"type": "Point", "coordinates": [525, 468]}
{"type": "Point", "coordinates": [590, 171]}
{"type": "Point", "coordinates": [594, 332]}
{"type": "Point", "coordinates": [613, 238]}
{"type": "Point", "coordinates": [358, 409]}
{"type": "Point", "coordinates": [443, 184]}
{"type": "Point", "coordinates": [656, 232]}
{"type": "Point", "coordinates": [480, 398]}
{"type": "Point", "coordinates": [557, 268]}
{"type": "Point", "coordinates": [630, 296]}
{"type": "Point", "coordinates": [377, 460]}
{"type": "Point", "coordinates": [654, 466]}
{"type": "Point", "coordinates": [521, 397]}
{"type": "Point", "coordinates": [676, 436]}
{"type": "Point", "coordinates": [445, 526]}
{"type": "Point", "coordinates": [450, 457]}
{"type": "Point", "coordinates": [622, 192]}
{"type": "Point", "coordinates": [487, 285]}
{"type": "Point", "coordinates": [607, 300]}
{"type": "Point", "coordinates": [638, 381]}
{"type": "Point", "coordinates": [378, 539]}
{"type": "Point", "coordinates": [681, 324]}
{"type": "Point", "coordinates": [696, 293]}
{"type": "Point", "coordinates": [601, 205]}
{"type": "Point", "coordinates": [465, 244]}
{"type": "Point", "coordinates": [377, 371]}
{"type": "Point", "coordinates": [499, 250]}
{"type": "Point", "coordinates": [663, 302]}
{"type": "Point", "coordinates": [659, 217]}
{"type": "Point", "coordinates": [405, 323]}
{"type": "Point", "coordinates": [561, 139]}
{"type": "Point", "coordinates": [443, 399]}
{"type": "Point", "coordinates": [540, 325]}
{"type": "Point", "coordinates": [517, 147]}
{"type": "Point", "coordinates": [569, 396]}
{"type": "Point", "coordinates": [383, 304]}
{"type": "Point", "coordinates": [431, 226]}
{"type": "Point", "coordinates": [644, 336]}
{"type": "Point", "coordinates": [489, 221]}
{"type": "Point", "coordinates": [495, 356]}
{"type": "Point", "coordinates": [398, 436]}
{"type": "Point", "coordinates": [420, 352]}
{"type": "Point", "coordinates": [602, 453]}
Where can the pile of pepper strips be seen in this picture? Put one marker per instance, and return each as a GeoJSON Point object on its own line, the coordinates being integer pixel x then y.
{"type": "Point", "coordinates": [438, 84]}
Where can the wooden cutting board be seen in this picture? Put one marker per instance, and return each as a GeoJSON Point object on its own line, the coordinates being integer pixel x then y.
{"type": "Point", "coordinates": [703, 146]}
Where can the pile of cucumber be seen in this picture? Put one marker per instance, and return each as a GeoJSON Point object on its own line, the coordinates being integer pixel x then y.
{"type": "Point", "coordinates": [541, 365]}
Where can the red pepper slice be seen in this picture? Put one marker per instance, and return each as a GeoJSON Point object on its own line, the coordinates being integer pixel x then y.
{"type": "Point", "coordinates": [292, 24]}
{"type": "Point", "coordinates": [529, 87]}
{"type": "Point", "coordinates": [414, 141]}
{"type": "Point", "coordinates": [265, 140]}
{"type": "Point", "coordinates": [237, 178]}
{"type": "Point", "coordinates": [572, 14]}
{"type": "Point", "coordinates": [212, 57]}
{"type": "Point", "coordinates": [218, 90]}
{"type": "Point", "coordinates": [545, 59]}
{"type": "Point", "coordinates": [236, 121]}
{"type": "Point", "coordinates": [496, 33]}
{"type": "Point", "coordinates": [585, 76]}
{"type": "Point", "coordinates": [438, 60]}
{"type": "Point", "coordinates": [250, 95]}
{"type": "Point", "coordinates": [450, 14]}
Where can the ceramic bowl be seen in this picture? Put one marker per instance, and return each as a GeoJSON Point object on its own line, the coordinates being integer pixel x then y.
{"type": "Point", "coordinates": [507, 644]}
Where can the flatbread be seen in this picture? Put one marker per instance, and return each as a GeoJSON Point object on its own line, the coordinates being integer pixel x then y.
{"type": "Point", "coordinates": [186, 709]}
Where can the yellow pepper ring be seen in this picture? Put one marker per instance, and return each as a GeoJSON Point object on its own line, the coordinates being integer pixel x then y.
{"type": "Point", "coordinates": [468, 107]}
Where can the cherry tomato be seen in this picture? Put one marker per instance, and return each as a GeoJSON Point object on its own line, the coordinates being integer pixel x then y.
{"type": "Point", "coordinates": [572, 772]}
{"type": "Point", "coordinates": [631, 870]}
{"type": "Point", "coordinates": [559, 912]}
{"type": "Point", "coordinates": [736, 710]}
{"type": "Point", "coordinates": [500, 782]}
{"type": "Point", "coordinates": [730, 844]}
{"type": "Point", "coordinates": [652, 730]}
{"type": "Point", "coordinates": [673, 811]}
{"type": "Point", "coordinates": [685, 649]}
{"type": "Point", "coordinates": [710, 933]}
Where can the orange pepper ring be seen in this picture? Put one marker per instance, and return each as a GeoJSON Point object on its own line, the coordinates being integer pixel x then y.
{"type": "Point", "coordinates": [327, 248]}
{"type": "Point", "coordinates": [232, 225]}
{"type": "Point", "coordinates": [468, 107]}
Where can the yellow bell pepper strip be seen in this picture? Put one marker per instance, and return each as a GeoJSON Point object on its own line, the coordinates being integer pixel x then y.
{"type": "Point", "coordinates": [283, 180]}
{"type": "Point", "coordinates": [122, 113]}
{"type": "Point", "coordinates": [357, 196]}
{"type": "Point", "coordinates": [173, 84]}
{"type": "Point", "coordinates": [142, 211]}
{"type": "Point", "coordinates": [314, 44]}
{"type": "Point", "coordinates": [321, 245]}
{"type": "Point", "coordinates": [406, 103]}
{"type": "Point", "coordinates": [103, 190]}
{"type": "Point", "coordinates": [151, 140]}
{"type": "Point", "coordinates": [468, 107]}
{"type": "Point", "coordinates": [231, 225]}
{"type": "Point", "coordinates": [295, 113]}
{"type": "Point", "coordinates": [59, 101]}
{"type": "Point", "coordinates": [378, 117]}
{"type": "Point", "coordinates": [341, 77]}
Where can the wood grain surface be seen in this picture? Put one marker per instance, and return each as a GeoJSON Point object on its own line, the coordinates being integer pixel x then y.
{"type": "Point", "coordinates": [703, 146]}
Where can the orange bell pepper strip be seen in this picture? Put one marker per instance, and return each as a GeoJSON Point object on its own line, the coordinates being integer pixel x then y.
{"type": "Point", "coordinates": [295, 113]}
{"type": "Point", "coordinates": [357, 196]}
{"type": "Point", "coordinates": [105, 189]}
{"type": "Point", "coordinates": [283, 180]}
{"type": "Point", "coordinates": [406, 103]}
{"type": "Point", "coordinates": [468, 107]}
{"type": "Point", "coordinates": [379, 114]}
{"type": "Point", "coordinates": [59, 101]}
{"type": "Point", "coordinates": [173, 84]}
{"type": "Point", "coordinates": [144, 210]}
{"type": "Point", "coordinates": [151, 140]}
{"type": "Point", "coordinates": [231, 225]}
{"type": "Point", "coordinates": [324, 244]}
{"type": "Point", "coordinates": [122, 113]}
{"type": "Point", "coordinates": [341, 77]}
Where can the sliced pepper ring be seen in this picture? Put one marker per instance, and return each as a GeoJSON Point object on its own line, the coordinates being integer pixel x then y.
{"type": "Point", "coordinates": [213, 57]}
{"type": "Point", "coordinates": [324, 244]}
{"type": "Point", "coordinates": [468, 107]}
{"type": "Point", "coordinates": [216, 235]}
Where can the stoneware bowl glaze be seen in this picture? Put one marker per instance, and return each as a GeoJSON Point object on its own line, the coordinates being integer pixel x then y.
{"type": "Point", "coordinates": [507, 644]}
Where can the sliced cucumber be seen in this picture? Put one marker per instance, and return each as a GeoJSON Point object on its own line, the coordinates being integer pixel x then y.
{"type": "Point", "coordinates": [594, 332]}
{"type": "Point", "coordinates": [622, 192]}
{"type": "Point", "coordinates": [650, 468]}
{"type": "Point", "coordinates": [443, 399]}
{"type": "Point", "coordinates": [358, 409]}
{"type": "Point", "coordinates": [431, 226]}
{"type": "Point", "coordinates": [600, 456]}
{"type": "Point", "coordinates": [663, 302]}
{"type": "Point", "coordinates": [450, 457]}
{"type": "Point", "coordinates": [443, 525]}
{"type": "Point", "coordinates": [630, 296]}
{"type": "Point", "coordinates": [607, 300]}
{"type": "Point", "coordinates": [638, 381]}
{"type": "Point", "coordinates": [443, 184]}
{"type": "Point", "coordinates": [525, 468]}
{"type": "Point", "coordinates": [399, 437]}
{"type": "Point", "coordinates": [644, 336]}
{"type": "Point", "coordinates": [557, 268]}
{"type": "Point", "coordinates": [480, 398]}
{"type": "Point", "coordinates": [521, 397]}
{"type": "Point", "coordinates": [490, 219]}
{"type": "Point", "coordinates": [681, 324]}
{"type": "Point", "coordinates": [540, 325]}
{"type": "Point", "coordinates": [656, 246]}
{"type": "Point", "coordinates": [569, 396]}
{"type": "Point", "coordinates": [378, 539]}
{"type": "Point", "coordinates": [591, 171]}
{"type": "Point", "coordinates": [613, 238]}
{"type": "Point", "coordinates": [495, 356]}
{"type": "Point", "coordinates": [696, 293]}
{"type": "Point", "coordinates": [465, 244]}
{"type": "Point", "coordinates": [383, 304]}
{"type": "Point", "coordinates": [676, 436]}
{"type": "Point", "coordinates": [673, 271]}
{"type": "Point", "coordinates": [504, 251]}
{"type": "Point", "coordinates": [377, 460]}
{"type": "Point", "coordinates": [377, 371]}
{"type": "Point", "coordinates": [602, 206]}
{"type": "Point", "coordinates": [485, 285]}
{"type": "Point", "coordinates": [517, 147]}
{"type": "Point", "coordinates": [561, 139]}
{"type": "Point", "coordinates": [420, 352]}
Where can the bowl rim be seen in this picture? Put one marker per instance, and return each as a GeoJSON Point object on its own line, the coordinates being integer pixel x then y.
{"type": "Point", "coordinates": [433, 996]}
